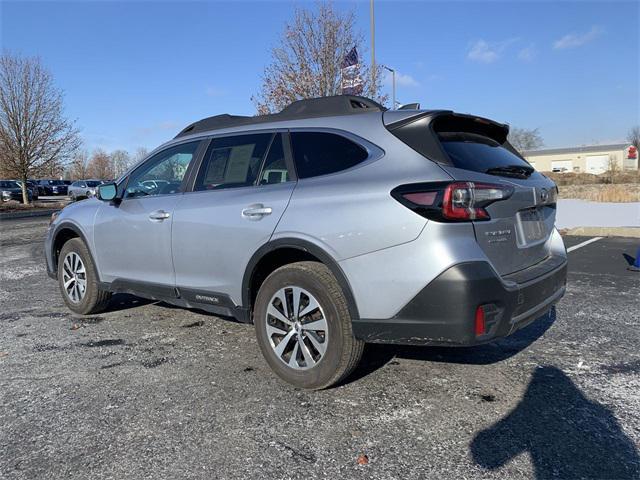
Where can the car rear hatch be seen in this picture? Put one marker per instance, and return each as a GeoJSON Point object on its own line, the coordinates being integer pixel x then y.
{"type": "Point", "coordinates": [476, 151]}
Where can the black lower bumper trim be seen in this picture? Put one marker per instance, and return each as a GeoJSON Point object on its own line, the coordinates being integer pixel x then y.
{"type": "Point", "coordinates": [443, 312]}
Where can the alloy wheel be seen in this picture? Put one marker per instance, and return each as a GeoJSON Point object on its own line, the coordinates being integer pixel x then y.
{"type": "Point", "coordinates": [74, 277]}
{"type": "Point", "coordinates": [297, 328]}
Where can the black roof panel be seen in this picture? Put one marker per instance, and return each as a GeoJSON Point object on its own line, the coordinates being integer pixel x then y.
{"type": "Point", "coordinates": [309, 108]}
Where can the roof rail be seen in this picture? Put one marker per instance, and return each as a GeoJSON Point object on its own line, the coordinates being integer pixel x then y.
{"type": "Point", "coordinates": [309, 108]}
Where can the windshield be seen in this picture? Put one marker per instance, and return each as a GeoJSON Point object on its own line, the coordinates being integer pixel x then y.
{"type": "Point", "coordinates": [8, 184]}
{"type": "Point", "coordinates": [93, 183]}
{"type": "Point", "coordinates": [478, 153]}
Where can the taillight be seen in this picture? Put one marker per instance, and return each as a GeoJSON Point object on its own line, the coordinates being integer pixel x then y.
{"type": "Point", "coordinates": [451, 202]}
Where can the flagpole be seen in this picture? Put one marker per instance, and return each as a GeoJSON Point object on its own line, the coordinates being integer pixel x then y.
{"type": "Point", "coordinates": [373, 45]}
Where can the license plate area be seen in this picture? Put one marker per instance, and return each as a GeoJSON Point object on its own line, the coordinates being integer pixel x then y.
{"type": "Point", "coordinates": [531, 227]}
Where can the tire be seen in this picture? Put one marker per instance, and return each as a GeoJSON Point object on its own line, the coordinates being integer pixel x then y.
{"type": "Point", "coordinates": [338, 352]}
{"type": "Point", "coordinates": [92, 299]}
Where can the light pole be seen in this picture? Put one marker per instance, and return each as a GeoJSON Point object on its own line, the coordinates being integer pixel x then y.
{"type": "Point", "coordinates": [373, 44]}
{"type": "Point", "coordinates": [393, 82]}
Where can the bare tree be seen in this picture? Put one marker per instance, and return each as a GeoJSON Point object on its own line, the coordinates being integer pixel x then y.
{"type": "Point", "coordinates": [35, 136]}
{"type": "Point", "coordinates": [100, 166]}
{"type": "Point", "coordinates": [120, 162]}
{"type": "Point", "coordinates": [524, 139]}
{"type": "Point", "coordinates": [78, 166]}
{"type": "Point", "coordinates": [633, 137]}
{"type": "Point", "coordinates": [613, 170]}
{"type": "Point", "coordinates": [307, 61]}
{"type": "Point", "coordinates": [141, 154]}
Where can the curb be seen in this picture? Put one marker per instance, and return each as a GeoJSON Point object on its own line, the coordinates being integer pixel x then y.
{"type": "Point", "coordinates": [29, 213]}
{"type": "Point", "coordinates": [631, 232]}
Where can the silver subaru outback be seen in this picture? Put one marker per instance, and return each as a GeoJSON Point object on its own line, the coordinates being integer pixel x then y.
{"type": "Point", "coordinates": [328, 225]}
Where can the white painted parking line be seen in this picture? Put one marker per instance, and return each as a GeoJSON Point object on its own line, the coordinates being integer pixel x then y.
{"type": "Point", "coordinates": [583, 244]}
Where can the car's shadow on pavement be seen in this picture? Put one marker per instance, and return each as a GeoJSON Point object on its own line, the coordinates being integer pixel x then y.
{"type": "Point", "coordinates": [376, 356]}
{"type": "Point", "coordinates": [125, 301]}
{"type": "Point", "coordinates": [565, 434]}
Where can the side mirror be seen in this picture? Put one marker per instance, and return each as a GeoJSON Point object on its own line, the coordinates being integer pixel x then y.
{"type": "Point", "coordinates": [107, 191]}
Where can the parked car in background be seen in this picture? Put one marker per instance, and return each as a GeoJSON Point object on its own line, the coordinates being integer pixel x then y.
{"type": "Point", "coordinates": [11, 190]}
{"type": "Point", "coordinates": [52, 187]}
{"type": "Point", "coordinates": [83, 189]}
{"type": "Point", "coordinates": [32, 186]}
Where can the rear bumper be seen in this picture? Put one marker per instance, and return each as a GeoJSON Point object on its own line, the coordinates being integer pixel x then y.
{"type": "Point", "coordinates": [443, 312]}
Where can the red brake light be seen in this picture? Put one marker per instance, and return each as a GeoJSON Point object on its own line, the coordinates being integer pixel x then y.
{"type": "Point", "coordinates": [456, 201]}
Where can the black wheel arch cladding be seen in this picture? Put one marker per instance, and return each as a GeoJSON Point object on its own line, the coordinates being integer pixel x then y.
{"type": "Point", "coordinates": [304, 247]}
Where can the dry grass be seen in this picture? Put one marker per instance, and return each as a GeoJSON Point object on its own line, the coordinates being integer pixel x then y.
{"type": "Point", "coordinates": [620, 177]}
{"type": "Point", "coordinates": [620, 193]}
{"type": "Point", "coordinates": [12, 206]}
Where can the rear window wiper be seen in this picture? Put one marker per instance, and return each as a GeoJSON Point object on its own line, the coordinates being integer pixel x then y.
{"type": "Point", "coordinates": [517, 171]}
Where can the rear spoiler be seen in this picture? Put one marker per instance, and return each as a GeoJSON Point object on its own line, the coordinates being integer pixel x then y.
{"type": "Point", "coordinates": [421, 129]}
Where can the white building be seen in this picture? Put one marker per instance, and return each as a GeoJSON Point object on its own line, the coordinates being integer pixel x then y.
{"type": "Point", "coordinates": [594, 159]}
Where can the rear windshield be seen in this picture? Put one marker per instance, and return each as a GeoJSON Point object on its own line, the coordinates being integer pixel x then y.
{"type": "Point", "coordinates": [466, 142]}
{"type": "Point", "coordinates": [478, 153]}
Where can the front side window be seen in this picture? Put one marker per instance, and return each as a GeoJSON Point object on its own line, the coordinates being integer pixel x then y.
{"type": "Point", "coordinates": [163, 173]}
{"type": "Point", "coordinates": [232, 161]}
{"type": "Point", "coordinates": [321, 153]}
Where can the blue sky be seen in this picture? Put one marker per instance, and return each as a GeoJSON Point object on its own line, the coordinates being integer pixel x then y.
{"type": "Point", "coordinates": [135, 73]}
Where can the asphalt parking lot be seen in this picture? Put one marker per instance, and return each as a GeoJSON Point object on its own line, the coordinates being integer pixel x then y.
{"type": "Point", "coordinates": [150, 391]}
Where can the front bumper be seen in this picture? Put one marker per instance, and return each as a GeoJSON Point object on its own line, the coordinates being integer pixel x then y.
{"type": "Point", "coordinates": [443, 312]}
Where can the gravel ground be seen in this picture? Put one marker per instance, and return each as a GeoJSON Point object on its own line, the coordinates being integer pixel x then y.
{"type": "Point", "coordinates": [150, 391]}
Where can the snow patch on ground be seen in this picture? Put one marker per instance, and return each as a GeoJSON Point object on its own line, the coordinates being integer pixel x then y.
{"type": "Point", "coordinates": [581, 213]}
{"type": "Point", "coordinates": [18, 272]}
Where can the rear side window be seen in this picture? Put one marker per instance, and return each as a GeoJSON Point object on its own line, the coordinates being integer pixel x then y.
{"type": "Point", "coordinates": [321, 153]}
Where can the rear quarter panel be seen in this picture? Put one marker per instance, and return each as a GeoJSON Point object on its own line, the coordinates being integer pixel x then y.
{"type": "Point", "coordinates": [351, 213]}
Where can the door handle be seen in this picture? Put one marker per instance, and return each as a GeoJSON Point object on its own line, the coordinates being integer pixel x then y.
{"type": "Point", "coordinates": [256, 211]}
{"type": "Point", "coordinates": [159, 215]}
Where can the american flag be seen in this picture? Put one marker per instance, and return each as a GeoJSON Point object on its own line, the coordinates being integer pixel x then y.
{"type": "Point", "coordinates": [351, 82]}
{"type": "Point", "coordinates": [350, 59]}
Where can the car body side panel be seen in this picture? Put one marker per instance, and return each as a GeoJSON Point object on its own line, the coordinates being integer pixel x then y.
{"type": "Point", "coordinates": [80, 215]}
{"type": "Point", "coordinates": [352, 211]}
{"type": "Point", "coordinates": [213, 241]}
{"type": "Point", "coordinates": [132, 246]}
